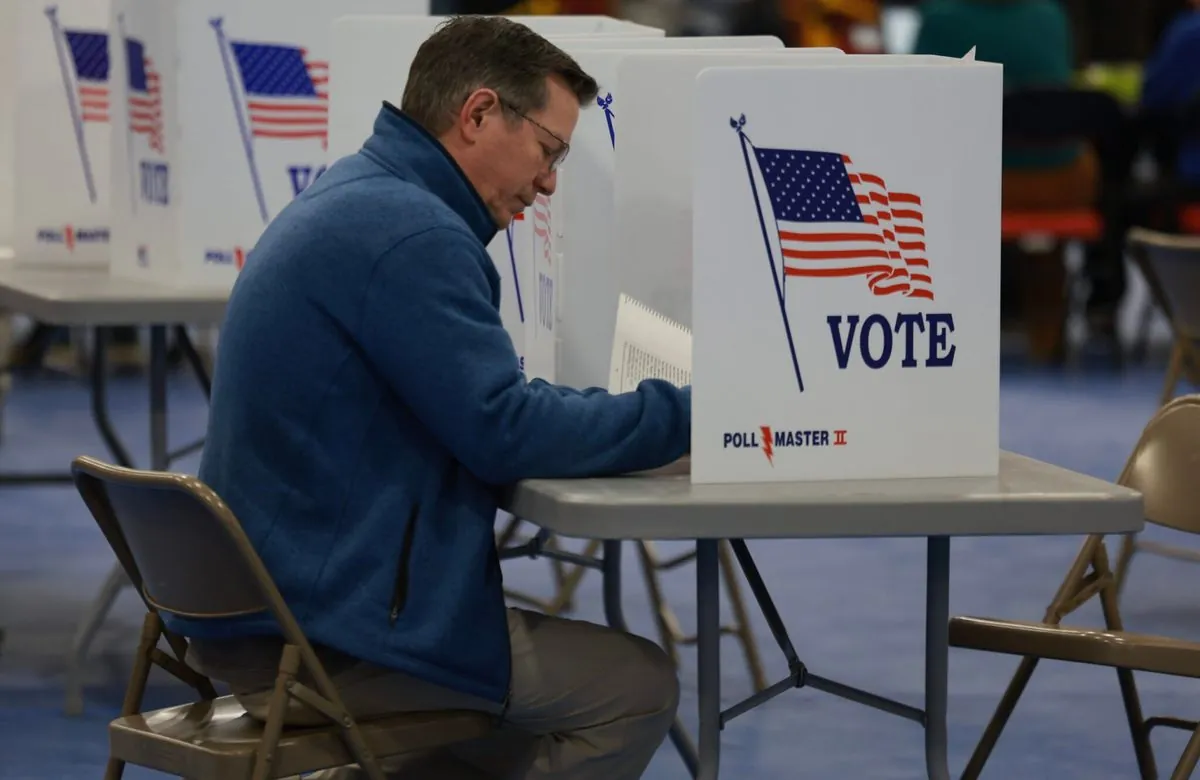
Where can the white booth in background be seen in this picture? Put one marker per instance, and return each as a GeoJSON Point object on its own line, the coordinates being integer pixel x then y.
{"type": "Point", "coordinates": [8, 119]}
{"type": "Point", "coordinates": [844, 265]}
{"type": "Point", "coordinates": [62, 133]}
{"type": "Point", "coordinates": [250, 125]}
{"type": "Point", "coordinates": [246, 131]}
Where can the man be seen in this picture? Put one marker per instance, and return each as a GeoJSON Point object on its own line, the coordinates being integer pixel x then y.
{"type": "Point", "coordinates": [368, 411]}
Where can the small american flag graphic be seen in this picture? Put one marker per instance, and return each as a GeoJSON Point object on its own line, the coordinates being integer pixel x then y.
{"type": "Point", "coordinates": [89, 57]}
{"type": "Point", "coordinates": [541, 226]}
{"type": "Point", "coordinates": [145, 95]}
{"type": "Point", "coordinates": [835, 221]}
{"type": "Point", "coordinates": [287, 95]}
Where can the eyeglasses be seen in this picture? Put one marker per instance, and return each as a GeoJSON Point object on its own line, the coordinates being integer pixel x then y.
{"type": "Point", "coordinates": [554, 158]}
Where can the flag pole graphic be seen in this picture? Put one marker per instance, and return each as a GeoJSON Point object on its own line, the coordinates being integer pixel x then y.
{"type": "Point", "coordinates": [247, 141]}
{"type": "Point", "coordinates": [777, 272]}
{"type": "Point", "coordinates": [130, 162]}
{"type": "Point", "coordinates": [512, 257]}
{"type": "Point", "coordinates": [72, 103]}
{"type": "Point", "coordinates": [606, 104]}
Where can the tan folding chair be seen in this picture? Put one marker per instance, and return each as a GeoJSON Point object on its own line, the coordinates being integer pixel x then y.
{"type": "Point", "coordinates": [187, 555]}
{"type": "Point", "coordinates": [1163, 468]}
{"type": "Point", "coordinates": [1170, 265]}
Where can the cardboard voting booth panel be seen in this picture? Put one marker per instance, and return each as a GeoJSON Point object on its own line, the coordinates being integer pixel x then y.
{"type": "Point", "coordinates": [589, 290]}
{"type": "Point", "coordinates": [373, 55]}
{"type": "Point", "coordinates": [8, 90]}
{"type": "Point", "coordinates": [146, 144]}
{"type": "Point", "coordinates": [252, 83]}
{"type": "Point", "coordinates": [62, 133]}
{"type": "Point", "coordinates": [652, 181]}
{"type": "Point", "coordinates": [846, 272]}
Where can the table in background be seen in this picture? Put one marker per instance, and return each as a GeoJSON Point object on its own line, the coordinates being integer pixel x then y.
{"type": "Point", "coordinates": [1028, 497]}
{"type": "Point", "coordinates": [82, 297]}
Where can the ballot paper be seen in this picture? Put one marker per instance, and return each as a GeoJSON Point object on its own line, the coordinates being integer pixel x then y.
{"type": "Point", "coordinates": [648, 345]}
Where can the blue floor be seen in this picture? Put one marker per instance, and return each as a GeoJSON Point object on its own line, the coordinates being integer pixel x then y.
{"type": "Point", "coordinates": [854, 608]}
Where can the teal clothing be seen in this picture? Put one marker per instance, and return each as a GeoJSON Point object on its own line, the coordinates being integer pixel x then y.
{"type": "Point", "coordinates": [1030, 38]}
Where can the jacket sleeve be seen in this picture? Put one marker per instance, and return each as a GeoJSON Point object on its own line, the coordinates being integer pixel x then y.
{"type": "Point", "coordinates": [430, 327]}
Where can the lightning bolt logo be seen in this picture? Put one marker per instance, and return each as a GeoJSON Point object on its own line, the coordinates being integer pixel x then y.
{"type": "Point", "coordinates": [766, 444]}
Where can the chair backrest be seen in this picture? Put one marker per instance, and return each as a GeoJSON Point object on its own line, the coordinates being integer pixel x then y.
{"type": "Point", "coordinates": [1165, 466]}
{"type": "Point", "coordinates": [1171, 265]}
{"type": "Point", "coordinates": [1056, 115]}
{"type": "Point", "coordinates": [178, 542]}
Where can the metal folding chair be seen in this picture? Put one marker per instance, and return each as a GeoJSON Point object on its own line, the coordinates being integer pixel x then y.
{"type": "Point", "coordinates": [1162, 468]}
{"type": "Point", "coordinates": [186, 554]}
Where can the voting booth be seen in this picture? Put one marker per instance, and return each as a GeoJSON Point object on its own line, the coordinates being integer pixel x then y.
{"type": "Point", "coordinates": [373, 55]}
{"type": "Point", "coordinates": [845, 270]}
{"type": "Point", "coordinates": [245, 132]}
{"type": "Point", "coordinates": [62, 133]}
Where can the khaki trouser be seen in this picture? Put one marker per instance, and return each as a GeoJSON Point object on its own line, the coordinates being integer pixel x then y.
{"type": "Point", "coordinates": [587, 702]}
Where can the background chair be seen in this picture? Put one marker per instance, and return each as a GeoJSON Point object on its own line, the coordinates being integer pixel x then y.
{"type": "Point", "coordinates": [187, 555]}
{"type": "Point", "coordinates": [1162, 468]}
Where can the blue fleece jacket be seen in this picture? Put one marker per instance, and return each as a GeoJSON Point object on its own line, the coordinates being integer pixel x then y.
{"type": "Point", "coordinates": [368, 410]}
{"type": "Point", "coordinates": [1172, 78]}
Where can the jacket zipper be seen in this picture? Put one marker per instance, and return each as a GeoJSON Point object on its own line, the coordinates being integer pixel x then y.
{"type": "Point", "coordinates": [400, 591]}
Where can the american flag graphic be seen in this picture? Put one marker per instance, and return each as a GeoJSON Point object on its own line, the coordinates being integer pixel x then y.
{"type": "Point", "coordinates": [287, 95]}
{"type": "Point", "coordinates": [89, 57]}
{"type": "Point", "coordinates": [145, 95]}
{"type": "Point", "coordinates": [835, 221]}
{"type": "Point", "coordinates": [541, 225]}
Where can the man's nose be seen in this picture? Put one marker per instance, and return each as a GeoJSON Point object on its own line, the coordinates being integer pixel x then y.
{"type": "Point", "coordinates": [546, 182]}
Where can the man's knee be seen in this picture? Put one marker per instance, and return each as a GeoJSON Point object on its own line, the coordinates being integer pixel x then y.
{"type": "Point", "coordinates": [651, 686]}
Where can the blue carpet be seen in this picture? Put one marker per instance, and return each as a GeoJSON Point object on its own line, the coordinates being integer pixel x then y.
{"type": "Point", "coordinates": [854, 609]}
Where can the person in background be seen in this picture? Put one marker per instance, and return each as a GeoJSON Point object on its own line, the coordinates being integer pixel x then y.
{"type": "Point", "coordinates": [367, 468]}
{"type": "Point", "coordinates": [1171, 82]}
{"type": "Point", "coordinates": [1032, 40]}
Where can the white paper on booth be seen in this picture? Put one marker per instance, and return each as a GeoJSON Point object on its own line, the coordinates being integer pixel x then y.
{"type": "Point", "coordinates": [62, 134]}
{"type": "Point", "coordinates": [541, 330]}
{"type": "Point", "coordinates": [845, 299]}
{"type": "Point", "coordinates": [647, 345]}
{"type": "Point", "coordinates": [145, 139]}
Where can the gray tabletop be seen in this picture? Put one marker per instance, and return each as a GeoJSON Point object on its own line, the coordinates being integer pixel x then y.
{"type": "Point", "coordinates": [1027, 497]}
{"type": "Point", "coordinates": [85, 296]}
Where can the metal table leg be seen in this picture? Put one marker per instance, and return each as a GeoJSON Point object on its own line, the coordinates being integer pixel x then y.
{"type": "Point", "coordinates": [937, 652]}
{"type": "Point", "coordinates": [614, 613]}
{"type": "Point", "coordinates": [98, 611]}
{"type": "Point", "coordinates": [708, 632]}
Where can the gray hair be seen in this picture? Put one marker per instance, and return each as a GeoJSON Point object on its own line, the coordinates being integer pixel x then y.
{"type": "Point", "coordinates": [471, 52]}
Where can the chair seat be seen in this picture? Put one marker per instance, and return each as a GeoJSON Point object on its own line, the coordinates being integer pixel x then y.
{"type": "Point", "coordinates": [217, 739]}
{"type": "Point", "coordinates": [1073, 225]}
{"type": "Point", "coordinates": [1189, 219]}
{"type": "Point", "coordinates": [1121, 649]}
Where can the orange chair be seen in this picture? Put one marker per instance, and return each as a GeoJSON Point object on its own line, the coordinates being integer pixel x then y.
{"type": "Point", "coordinates": [1048, 117]}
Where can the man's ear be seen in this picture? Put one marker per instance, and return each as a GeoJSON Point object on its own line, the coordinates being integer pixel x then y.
{"type": "Point", "coordinates": [477, 111]}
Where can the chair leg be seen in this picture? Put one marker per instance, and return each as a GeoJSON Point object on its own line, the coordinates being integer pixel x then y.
{"type": "Point", "coordinates": [664, 618]}
{"type": "Point", "coordinates": [1137, 726]}
{"type": "Point", "coordinates": [563, 601]}
{"type": "Point", "coordinates": [1174, 370]}
{"type": "Point", "coordinates": [289, 665]}
{"type": "Point", "coordinates": [741, 618]}
{"type": "Point", "coordinates": [1187, 762]}
{"type": "Point", "coordinates": [151, 629]}
{"type": "Point", "coordinates": [1124, 558]}
{"type": "Point", "coordinates": [1004, 711]}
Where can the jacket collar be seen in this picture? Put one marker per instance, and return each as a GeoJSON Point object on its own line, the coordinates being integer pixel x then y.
{"type": "Point", "coordinates": [409, 151]}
